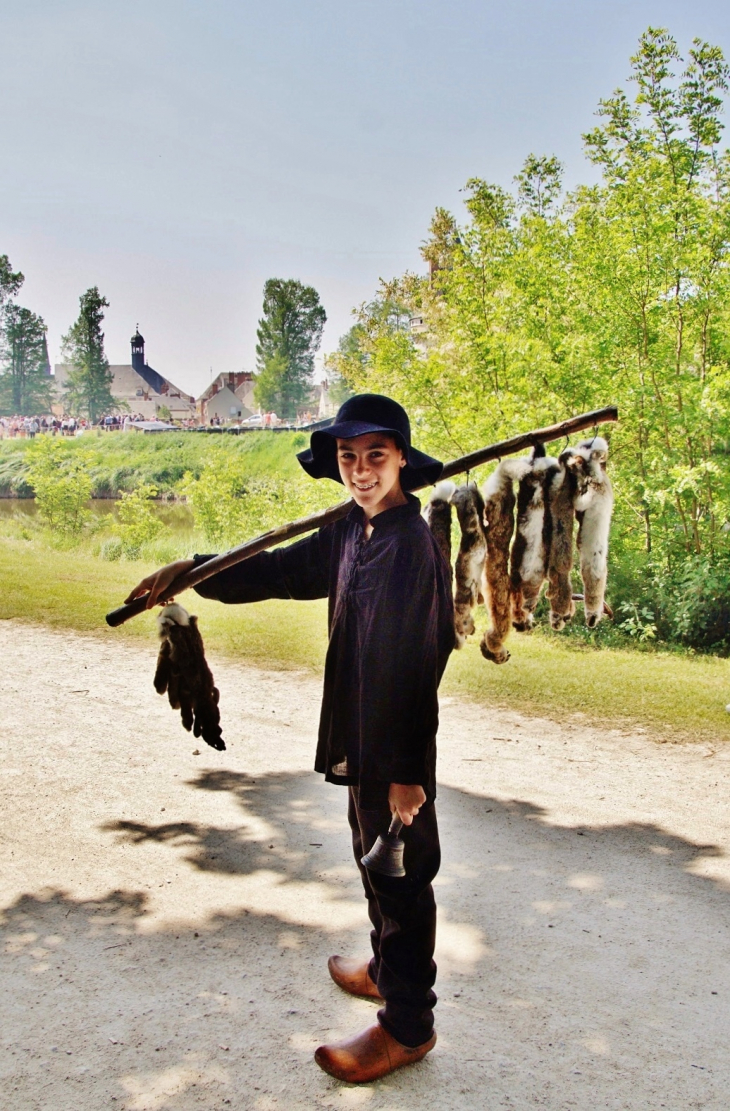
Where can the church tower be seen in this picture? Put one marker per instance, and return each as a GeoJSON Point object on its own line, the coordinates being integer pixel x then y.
{"type": "Point", "coordinates": [138, 352]}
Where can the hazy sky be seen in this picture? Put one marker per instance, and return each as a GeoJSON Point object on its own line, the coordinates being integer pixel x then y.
{"type": "Point", "coordinates": [177, 154]}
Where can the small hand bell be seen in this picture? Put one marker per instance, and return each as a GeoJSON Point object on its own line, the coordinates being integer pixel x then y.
{"type": "Point", "coordinates": [386, 855]}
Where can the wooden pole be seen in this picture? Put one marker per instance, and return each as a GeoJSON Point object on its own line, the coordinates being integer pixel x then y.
{"type": "Point", "coordinates": [327, 516]}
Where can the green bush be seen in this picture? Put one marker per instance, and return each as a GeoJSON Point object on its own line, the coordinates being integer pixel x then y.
{"type": "Point", "coordinates": [136, 523]}
{"type": "Point", "coordinates": [230, 507]}
{"type": "Point", "coordinates": [111, 549]}
{"type": "Point", "coordinates": [62, 483]}
{"type": "Point", "coordinates": [693, 604]}
{"type": "Point", "coordinates": [216, 497]}
{"type": "Point", "coordinates": [687, 606]}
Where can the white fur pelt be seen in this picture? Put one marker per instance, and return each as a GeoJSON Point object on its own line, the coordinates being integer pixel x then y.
{"type": "Point", "coordinates": [531, 545]}
{"type": "Point", "coordinates": [561, 491]}
{"type": "Point", "coordinates": [499, 511]}
{"type": "Point", "coordinates": [437, 516]}
{"type": "Point", "coordinates": [594, 507]}
{"type": "Point", "coordinates": [469, 561]}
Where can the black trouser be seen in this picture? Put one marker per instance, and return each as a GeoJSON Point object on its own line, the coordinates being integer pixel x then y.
{"type": "Point", "coordinates": [403, 914]}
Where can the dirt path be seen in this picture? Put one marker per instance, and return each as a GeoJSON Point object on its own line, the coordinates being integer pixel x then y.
{"type": "Point", "coordinates": [166, 917]}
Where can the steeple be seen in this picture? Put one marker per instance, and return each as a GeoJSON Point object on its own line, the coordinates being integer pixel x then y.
{"type": "Point", "coordinates": [46, 362]}
{"type": "Point", "coordinates": [138, 351]}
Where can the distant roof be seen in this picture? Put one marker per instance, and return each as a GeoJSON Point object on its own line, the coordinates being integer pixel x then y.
{"type": "Point", "coordinates": [127, 382]}
{"type": "Point", "coordinates": [221, 380]}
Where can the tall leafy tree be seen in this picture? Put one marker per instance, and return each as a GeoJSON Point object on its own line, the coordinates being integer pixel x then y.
{"type": "Point", "coordinates": [25, 385]}
{"type": "Point", "coordinates": [539, 183]}
{"type": "Point", "coordinates": [10, 281]}
{"type": "Point", "coordinates": [651, 246]}
{"type": "Point", "coordinates": [289, 334]}
{"type": "Point", "coordinates": [536, 307]}
{"type": "Point", "coordinates": [88, 387]}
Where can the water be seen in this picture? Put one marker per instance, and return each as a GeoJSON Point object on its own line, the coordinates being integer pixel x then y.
{"type": "Point", "coordinates": [176, 516]}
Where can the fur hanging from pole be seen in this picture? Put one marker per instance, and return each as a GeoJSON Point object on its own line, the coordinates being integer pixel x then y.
{"type": "Point", "coordinates": [531, 545]}
{"type": "Point", "coordinates": [499, 509]}
{"type": "Point", "coordinates": [561, 499]}
{"type": "Point", "coordinates": [593, 507]}
{"type": "Point", "coordinates": [506, 562]}
{"type": "Point", "coordinates": [469, 584]}
{"type": "Point", "coordinates": [183, 672]}
{"type": "Point", "coordinates": [437, 516]}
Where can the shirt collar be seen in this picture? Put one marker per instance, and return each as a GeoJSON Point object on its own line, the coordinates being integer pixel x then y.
{"type": "Point", "coordinates": [390, 517]}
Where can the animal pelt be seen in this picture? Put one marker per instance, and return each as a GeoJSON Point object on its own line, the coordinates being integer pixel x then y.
{"type": "Point", "coordinates": [531, 545]}
{"type": "Point", "coordinates": [593, 507]}
{"type": "Point", "coordinates": [469, 560]}
{"type": "Point", "coordinates": [499, 507]}
{"type": "Point", "coordinates": [561, 493]}
{"type": "Point", "coordinates": [183, 672]}
{"type": "Point", "coordinates": [437, 515]}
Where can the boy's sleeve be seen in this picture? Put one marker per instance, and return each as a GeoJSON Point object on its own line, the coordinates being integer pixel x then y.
{"type": "Point", "coordinates": [300, 570]}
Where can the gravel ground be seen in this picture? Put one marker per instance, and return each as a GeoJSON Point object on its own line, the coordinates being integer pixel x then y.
{"type": "Point", "coordinates": [166, 917]}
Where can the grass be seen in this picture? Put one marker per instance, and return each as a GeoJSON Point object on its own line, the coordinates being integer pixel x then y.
{"type": "Point", "coordinates": [74, 590]}
{"type": "Point", "coordinates": [674, 696]}
{"type": "Point", "coordinates": [124, 460]}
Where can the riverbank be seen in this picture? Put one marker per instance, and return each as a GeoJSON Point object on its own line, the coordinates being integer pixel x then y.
{"type": "Point", "coordinates": [119, 462]}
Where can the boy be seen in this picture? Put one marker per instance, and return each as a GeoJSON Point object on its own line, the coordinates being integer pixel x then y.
{"type": "Point", "coordinates": [391, 630]}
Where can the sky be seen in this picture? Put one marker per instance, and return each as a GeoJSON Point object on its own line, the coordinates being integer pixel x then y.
{"type": "Point", "coordinates": [178, 154]}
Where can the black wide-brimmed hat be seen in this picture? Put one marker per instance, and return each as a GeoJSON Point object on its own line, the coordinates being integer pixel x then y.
{"type": "Point", "coordinates": [369, 412]}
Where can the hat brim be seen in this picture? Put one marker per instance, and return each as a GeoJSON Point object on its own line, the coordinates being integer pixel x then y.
{"type": "Point", "coordinates": [320, 459]}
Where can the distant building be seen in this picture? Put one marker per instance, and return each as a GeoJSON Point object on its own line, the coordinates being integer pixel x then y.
{"type": "Point", "coordinates": [228, 397]}
{"type": "Point", "coordinates": [143, 389]}
{"type": "Point", "coordinates": [419, 332]}
{"type": "Point", "coordinates": [322, 405]}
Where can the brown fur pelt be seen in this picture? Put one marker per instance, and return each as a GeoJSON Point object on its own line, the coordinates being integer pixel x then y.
{"type": "Point", "coordinates": [499, 511]}
{"type": "Point", "coordinates": [531, 546]}
{"type": "Point", "coordinates": [561, 492]}
{"type": "Point", "coordinates": [183, 672]}
{"type": "Point", "coordinates": [437, 515]}
{"type": "Point", "coordinates": [469, 561]}
{"type": "Point", "coordinates": [594, 507]}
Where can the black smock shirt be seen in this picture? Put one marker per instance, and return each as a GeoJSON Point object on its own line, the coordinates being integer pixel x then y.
{"type": "Point", "coordinates": [391, 630]}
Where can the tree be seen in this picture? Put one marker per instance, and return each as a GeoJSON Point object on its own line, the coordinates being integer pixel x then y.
{"type": "Point", "coordinates": [25, 385]}
{"type": "Point", "coordinates": [651, 245]}
{"type": "Point", "coordinates": [538, 308]}
{"type": "Point", "coordinates": [337, 364]}
{"type": "Point", "coordinates": [88, 386]}
{"type": "Point", "coordinates": [289, 334]}
{"type": "Point", "coordinates": [539, 183]}
{"type": "Point", "coordinates": [10, 282]}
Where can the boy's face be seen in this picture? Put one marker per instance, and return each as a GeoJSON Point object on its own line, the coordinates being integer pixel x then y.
{"type": "Point", "coordinates": [370, 467]}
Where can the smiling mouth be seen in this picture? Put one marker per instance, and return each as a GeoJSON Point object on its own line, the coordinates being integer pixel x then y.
{"type": "Point", "coordinates": [364, 488]}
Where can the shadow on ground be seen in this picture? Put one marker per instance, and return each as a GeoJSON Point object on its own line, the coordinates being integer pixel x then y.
{"type": "Point", "coordinates": [579, 967]}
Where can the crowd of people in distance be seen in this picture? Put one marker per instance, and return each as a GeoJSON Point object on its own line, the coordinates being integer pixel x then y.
{"type": "Point", "coordinates": [28, 427]}
{"type": "Point", "coordinates": [23, 427]}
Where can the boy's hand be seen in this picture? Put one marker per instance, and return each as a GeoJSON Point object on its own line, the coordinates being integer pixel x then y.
{"type": "Point", "coordinates": [158, 581]}
{"type": "Point", "coordinates": [405, 800]}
